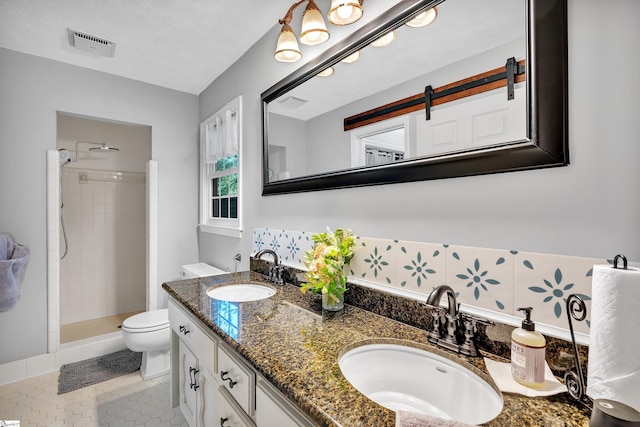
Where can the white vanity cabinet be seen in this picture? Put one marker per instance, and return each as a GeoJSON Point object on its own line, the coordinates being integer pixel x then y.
{"type": "Point", "coordinates": [215, 386]}
{"type": "Point", "coordinates": [197, 390]}
{"type": "Point", "coordinates": [273, 409]}
{"type": "Point", "coordinates": [193, 361]}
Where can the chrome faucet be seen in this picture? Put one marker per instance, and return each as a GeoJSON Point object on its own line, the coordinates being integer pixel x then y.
{"type": "Point", "coordinates": [451, 329]}
{"type": "Point", "coordinates": [275, 271]}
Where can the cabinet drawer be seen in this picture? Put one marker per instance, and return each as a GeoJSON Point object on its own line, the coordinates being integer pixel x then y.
{"type": "Point", "coordinates": [237, 379]}
{"type": "Point", "coordinates": [228, 412]}
{"type": "Point", "coordinates": [274, 409]}
{"type": "Point", "coordinates": [186, 327]}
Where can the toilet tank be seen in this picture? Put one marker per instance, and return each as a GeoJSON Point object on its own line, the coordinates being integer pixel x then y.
{"type": "Point", "coordinates": [200, 269]}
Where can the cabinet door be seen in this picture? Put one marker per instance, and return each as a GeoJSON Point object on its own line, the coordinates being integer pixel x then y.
{"type": "Point", "coordinates": [188, 366]}
{"type": "Point", "coordinates": [208, 391]}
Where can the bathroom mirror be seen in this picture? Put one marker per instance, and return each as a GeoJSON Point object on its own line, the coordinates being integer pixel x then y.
{"type": "Point", "coordinates": [309, 145]}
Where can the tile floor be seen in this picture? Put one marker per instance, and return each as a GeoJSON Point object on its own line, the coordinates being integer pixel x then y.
{"type": "Point", "coordinates": [124, 401]}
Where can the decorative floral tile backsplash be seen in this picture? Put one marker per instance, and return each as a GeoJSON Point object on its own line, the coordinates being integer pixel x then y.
{"type": "Point", "coordinates": [494, 279]}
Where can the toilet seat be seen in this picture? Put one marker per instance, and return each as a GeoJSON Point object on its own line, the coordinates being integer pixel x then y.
{"type": "Point", "coordinates": [147, 321]}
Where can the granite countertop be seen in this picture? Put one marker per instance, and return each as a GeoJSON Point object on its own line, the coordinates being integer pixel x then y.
{"type": "Point", "coordinates": [296, 346]}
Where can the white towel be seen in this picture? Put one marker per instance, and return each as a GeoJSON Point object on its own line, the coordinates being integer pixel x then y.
{"type": "Point", "coordinates": [13, 263]}
{"type": "Point", "coordinates": [413, 419]}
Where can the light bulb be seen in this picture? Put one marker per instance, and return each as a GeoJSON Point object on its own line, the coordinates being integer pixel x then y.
{"type": "Point", "coordinates": [345, 11]}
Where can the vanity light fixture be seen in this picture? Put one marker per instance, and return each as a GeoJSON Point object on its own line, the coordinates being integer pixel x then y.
{"type": "Point", "coordinates": [326, 72]}
{"type": "Point", "coordinates": [384, 40]}
{"type": "Point", "coordinates": [344, 12]}
{"type": "Point", "coordinates": [313, 30]}
{"type": "Point", "coordinates": [351, 58]}
{"type": "Point", "coordinates": [287, 49]}
{"type": "Point", "coordinates": [423, 18]}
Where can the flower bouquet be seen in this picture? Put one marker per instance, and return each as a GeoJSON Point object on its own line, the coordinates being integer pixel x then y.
{"type": "Point", "coordinates": [326, 260]}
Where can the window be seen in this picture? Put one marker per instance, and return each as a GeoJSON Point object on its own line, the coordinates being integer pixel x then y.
{"type": "Point", "coordinates": [220, 164]}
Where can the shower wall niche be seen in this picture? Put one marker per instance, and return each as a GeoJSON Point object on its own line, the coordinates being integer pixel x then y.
{"type": "Point", "coordinates": [103, 197]}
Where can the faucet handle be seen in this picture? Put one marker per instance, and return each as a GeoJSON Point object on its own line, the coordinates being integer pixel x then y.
{"type": "Point", "coordinates": [275, 274]}
{"type": "Point", "coordinates": [479, 320]}
{"type": "Point", "coordinates": [438, 319]}
{"type": "Point", "coordinates": [469, 321]}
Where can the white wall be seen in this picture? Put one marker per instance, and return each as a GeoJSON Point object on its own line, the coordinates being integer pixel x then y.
{"type": "Point", "coordinates": [33, 89]}
{"type": "Point", "coordinates": [590, 208]}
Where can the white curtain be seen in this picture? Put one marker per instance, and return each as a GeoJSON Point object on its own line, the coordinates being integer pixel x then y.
{"type": "Point", "coordinates": [221, 137]}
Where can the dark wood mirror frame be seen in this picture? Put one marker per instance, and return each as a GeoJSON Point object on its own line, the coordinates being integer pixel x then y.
{"type": "Point", "coordinates": [546, 144]}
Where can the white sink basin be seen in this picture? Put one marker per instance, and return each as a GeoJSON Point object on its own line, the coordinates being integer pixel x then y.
{"type": "Point", "coordinates": [242, 292]}
{"type": "Point", "coordinates": [402, 377]}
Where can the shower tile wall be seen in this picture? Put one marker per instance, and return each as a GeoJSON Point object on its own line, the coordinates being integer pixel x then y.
{"type": "Point", "coordinates": [104, 271]}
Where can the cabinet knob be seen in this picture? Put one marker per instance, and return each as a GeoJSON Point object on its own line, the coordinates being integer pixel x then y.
{"type": "Point", "coordinates": [224, 374]}
{"type": "Point", "coordinates": [222, 421]}
{"type": "Point", "coordinates": [184, 329]}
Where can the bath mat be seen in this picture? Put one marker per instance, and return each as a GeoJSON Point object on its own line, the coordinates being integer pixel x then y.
{"type": "Point", "coordinates": [93, 371]}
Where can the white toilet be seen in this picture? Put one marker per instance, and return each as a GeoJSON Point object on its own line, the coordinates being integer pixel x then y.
{"type": "Point", "coordinates": [149, 332]}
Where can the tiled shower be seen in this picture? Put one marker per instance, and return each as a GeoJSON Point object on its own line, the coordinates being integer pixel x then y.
{"type": "Point", "coordinates": [103, 272]}
{"type": "Point", "coordinates": [98, 228]}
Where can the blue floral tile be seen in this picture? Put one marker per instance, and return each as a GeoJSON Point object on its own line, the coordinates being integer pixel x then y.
{"type": "Point", "coordinates": [374, 260]}
{"type": "Point", "coordinates": [481, 277]}
{"type": "Point", "coordinates": [289, 245]}
{"type": "Point", "coordinates": [259, 239]}
{"type": "Point", "coordinates": [544, 282]}
{"type": "Point", "coordinates": [420, 266]}
{"type": "Point", "coordinates": [294, 246]}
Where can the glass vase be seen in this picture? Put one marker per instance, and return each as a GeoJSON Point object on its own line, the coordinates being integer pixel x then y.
{"type": "Point", "coordinates": [333, 304]}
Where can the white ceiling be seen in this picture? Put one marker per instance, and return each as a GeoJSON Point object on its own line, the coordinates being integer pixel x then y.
{"type": "Point", "coordinates": [185, 45]}
{"type": "Point", "coordinates": [181, 45]}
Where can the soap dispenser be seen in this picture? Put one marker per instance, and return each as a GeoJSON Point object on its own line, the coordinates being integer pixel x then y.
{"type": "Point", "coordinates": [528, 353]}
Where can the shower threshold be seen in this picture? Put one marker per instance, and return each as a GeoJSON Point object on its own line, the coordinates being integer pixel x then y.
{"type": "Point", "coordinates": [93, 327]}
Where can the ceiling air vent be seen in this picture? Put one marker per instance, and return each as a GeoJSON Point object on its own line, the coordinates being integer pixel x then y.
{"type": "Point", "coordinates": [93, 44]}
